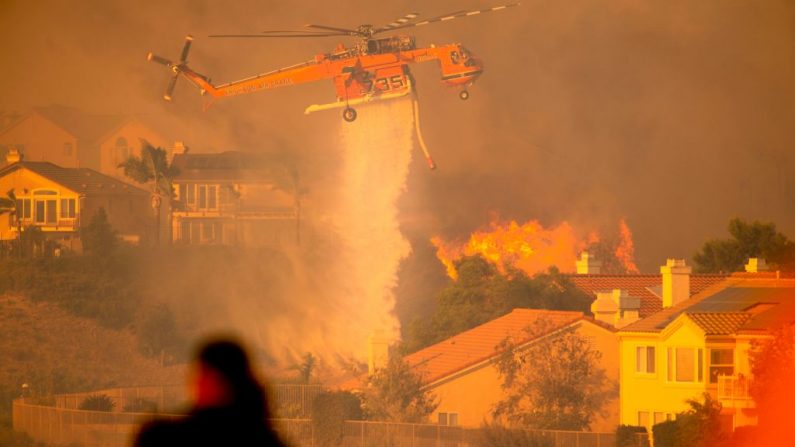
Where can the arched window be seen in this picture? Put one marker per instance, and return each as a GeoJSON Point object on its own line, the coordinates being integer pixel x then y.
{"type": "Point", "coordinates": [122, 150]}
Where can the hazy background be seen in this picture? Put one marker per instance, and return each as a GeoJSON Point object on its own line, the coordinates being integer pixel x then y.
{"type": "Point", "coordinates": [676, 115]}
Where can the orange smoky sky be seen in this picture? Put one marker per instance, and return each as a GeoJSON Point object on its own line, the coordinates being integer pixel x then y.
{"type": "Point", "coordinates": [673, 113]}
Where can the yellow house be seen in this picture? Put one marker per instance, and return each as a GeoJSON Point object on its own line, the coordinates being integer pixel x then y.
{"type": "Point", "coordinates": [57, 201]}
{"type": "Point", "coordinates": [699, 344]}
{"type": "Point", "coordinates": [461, 371]}
{"type": "Point", "coordinates": [233, 198]}
{"type": "Point", "coordinates": [71, 138]}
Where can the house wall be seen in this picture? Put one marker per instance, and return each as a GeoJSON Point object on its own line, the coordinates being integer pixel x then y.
{"type": "Point", "coordinates": [652, 392]}
{"type": "Point", "coordinates": [25, 183]}
{"type": "Point", "coordinates": [42, 141]}
{"type": "Point", "coordinates": [130, 215]}
{"type": "Point", "coordinates": [111, 153]}
{"type": "Point", "coordinates": [473, 393]}
{"type": "Point", "coordinates": [656, 393]}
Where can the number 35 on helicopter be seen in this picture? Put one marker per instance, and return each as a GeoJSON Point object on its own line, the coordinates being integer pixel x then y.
{"type": "Point", "coordinates": [375, 68]}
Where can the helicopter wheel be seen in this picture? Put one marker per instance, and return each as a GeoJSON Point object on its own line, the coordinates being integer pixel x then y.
{"type": "Point", "coordinates": [349, 114]}
{"type": "Point", "coordinates": [464, 95]}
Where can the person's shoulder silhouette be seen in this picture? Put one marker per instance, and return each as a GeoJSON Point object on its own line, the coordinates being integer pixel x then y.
{"type": "Point", "coordinates": [230, 405]}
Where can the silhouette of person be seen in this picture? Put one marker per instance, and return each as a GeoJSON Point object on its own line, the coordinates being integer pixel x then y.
{"type": "Point", "coordinates": [230, 407]}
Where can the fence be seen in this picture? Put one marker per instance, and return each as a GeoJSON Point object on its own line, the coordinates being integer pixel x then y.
{"type": "Point", "coordinates": [64, 424]}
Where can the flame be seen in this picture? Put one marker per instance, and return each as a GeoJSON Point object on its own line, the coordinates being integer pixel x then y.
{"type": "Point", "coordinates": [529, 247]}
{"type": "Point", "coordinates": [625, 251]}
{"type": "Point", "coordinates": [532, 248]}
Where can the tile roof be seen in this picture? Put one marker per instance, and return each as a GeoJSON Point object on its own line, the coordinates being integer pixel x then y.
{"type": "Point", "coordinates": [480, 343]}
{"type": "Point", "coordinates": [229, 166]}
{"type": "Point", "coordinates": [645, 287]}
{"type": "Point", "coordinates": [79, 180]}
{"type": "Point", "coordinates": [736, 294]}
{"type": "Point", "coordinates": [83, 126]}
{"type": "Point", "coordinates": [719, 323]}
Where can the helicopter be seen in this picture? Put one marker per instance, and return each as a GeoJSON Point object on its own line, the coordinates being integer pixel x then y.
{"type": "Point", "coordinates": [375, 68]}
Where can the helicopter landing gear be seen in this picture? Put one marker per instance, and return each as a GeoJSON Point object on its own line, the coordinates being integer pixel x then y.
{"type": "Point", "coordinates": [349, 114]}
{"type": "Point", "coordinates": [464, 95]}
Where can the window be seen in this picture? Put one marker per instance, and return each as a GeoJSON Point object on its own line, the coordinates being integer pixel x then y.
{"type": "Point", "coordinates": [685, 365]}
{"type": "Point", "coordinates": [68, 209]}
{"type": "Point", "coordinates": [190, 197]}
{"type": "Point", "coordinates": [121, 150]}
{"type": "Point", "coordinates": [225, 195]}
{"type": "Point", "coordinates": [721, 363]}
{"type": "Point", "coordinates": [643, 418]}
{"type": "Point", "coordinates": [23, 209]}
{"type": "Point", "coordinates": [202, 203]}
{"type": "Point", "coordinates": [212, 198]}
{"type": "Point", "coordinates": [450, 419]}
{"type": "Point", "coordinates": [67, 149]}
{"type": "Point", "coordinates": [184, 231]}
{"type": "Point", "coordinates": [644, 359]}
{"type": "Point", "coordinates": [52, 216]}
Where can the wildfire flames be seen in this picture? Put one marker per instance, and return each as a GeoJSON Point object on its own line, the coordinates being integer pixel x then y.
{"type": "Point", "coordinates": [625, 251]}
{"type": "Point", "coordinates": [532, 248]}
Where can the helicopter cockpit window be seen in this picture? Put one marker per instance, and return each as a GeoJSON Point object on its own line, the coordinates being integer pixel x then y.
{"type": "Point", "coordinates": [454, 58]}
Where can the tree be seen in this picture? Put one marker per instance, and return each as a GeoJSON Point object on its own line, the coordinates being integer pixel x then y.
{"type": "Point", "coordinates": [773, 367]}
{"type": "Point", "coordinates": [306, 368]}
{"type": "Point", "coordinates": [154, 168]}
{"type": "Point", "coordinates": [98, 236]}
{"type": "Point", "coordinates": [481, 293]}
{"type": "Point", "coordinates": [330, 410]}
{"type": "Point", "coordinates": [555, 383]}
{"type": "Point", "coordinates": [697, 427]}
{"type": "Point", "coordinates": [754, 239]}
{"type": "Point", "coordinates": [395, 393]}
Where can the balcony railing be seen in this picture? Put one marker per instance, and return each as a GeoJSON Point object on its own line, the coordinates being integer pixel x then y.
{"type": "Point", "coordinates": [734, 388]}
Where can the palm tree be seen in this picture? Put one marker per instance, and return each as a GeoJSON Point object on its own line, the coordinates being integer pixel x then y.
{"type": "Point", "coordinates": [152, 167]}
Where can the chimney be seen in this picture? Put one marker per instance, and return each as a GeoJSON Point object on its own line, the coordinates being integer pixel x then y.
{"type": "Point", "coordinates": [588, 265]}
{"type": "Point", "coordinates": [13, 156]}
{"type": "Point", "coordinates": [378, 351]}
{"type": "Point", "coordinates": [675, 282]}
{"type": "Point", "coordinates": [180, 148]}
{"type": "Point", "coordinates": [616, 308]}
{"type": "Point", "coordinates": [756, 265]}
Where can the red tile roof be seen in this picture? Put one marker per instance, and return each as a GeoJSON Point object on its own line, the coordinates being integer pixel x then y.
{"type": "Point", "coordinates": [80, 180]}
{"type": "Point", "coordinates": [640, 286]}
{"type": "Point", "coordinates": [480, 343]}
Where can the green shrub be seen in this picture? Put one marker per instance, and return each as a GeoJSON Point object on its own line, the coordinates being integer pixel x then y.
{"type": "Point", "coordinates": [665, 434]}
{"type": "Point", "coordinates": [627, 435]}
{"type": "Point", "coordinates": [97, 402]}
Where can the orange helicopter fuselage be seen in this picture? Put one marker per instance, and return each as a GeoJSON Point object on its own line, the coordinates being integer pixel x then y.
{"type": "Point", "coordinates": [359, 73]}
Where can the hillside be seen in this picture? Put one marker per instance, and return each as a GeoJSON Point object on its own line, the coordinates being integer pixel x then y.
{"type": "Point", "coordinates": [56, 352]}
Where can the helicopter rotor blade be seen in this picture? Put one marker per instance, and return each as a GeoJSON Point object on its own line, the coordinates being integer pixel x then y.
{"type": "Point", "coordinates": [185, 49]}
{"type": "Point", "coordinates": [160, 60]}
{"type": "Point", "coordinates": [350, 32]}
{"type": "Point", "coordinates": [450, 16]}
{"type": "Point", "coordinates": [399, 22]}
{"type": "Point", "coordinates": [170, 89]}
{"type": "Point", "coordinates": [280, 35]}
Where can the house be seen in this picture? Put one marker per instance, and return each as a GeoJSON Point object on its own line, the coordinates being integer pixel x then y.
{"type": "Point", "coordinates": [643, 290]}
{"type": "Point", "coordinates": [71, 138]}
{"type": "Point", "coordinates": [233, 198]}
{"type": "Point", "coordinates": [58, 201]}
{"type": "Point", "coordinates": [454, 368]}
{"type": "Point", "coordinates": [700, 343]}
